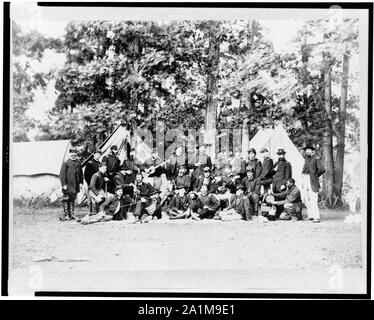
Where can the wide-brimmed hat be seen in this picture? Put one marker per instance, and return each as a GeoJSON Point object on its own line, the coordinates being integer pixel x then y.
{"type": "Point", "coordinates": [281, 151]}
{"type": "Point", "coordinates": [263, 150]}
{"type": "Point", "coordinates": [73, 150]}
{"type": "Point", "coordinates": [114, 147]}
{"type": "Point", "coordinates": [206, 169]}
{"type": "Point", "coordinates": [252, 150]}
{"type": "Point", "coordinates": [309, 146]}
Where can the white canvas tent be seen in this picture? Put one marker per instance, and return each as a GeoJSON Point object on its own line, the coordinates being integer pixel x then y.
{"type": "Point", "coordinates": [122, 139]}
{"type": "Point", "coordinates": [36, 167]}
{"type": "Point", "coordinates": [274, 139]}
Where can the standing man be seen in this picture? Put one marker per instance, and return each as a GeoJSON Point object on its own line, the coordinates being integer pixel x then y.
{"type": "Point", "coordinates": [312, 170]}
{"type": "Point", "coordinates": [177, 159]}
{"type": "Point", "coordinates": [113, 163]}
{"type": "Point", "coordinates": [282, 171]}
{"type": "Point", "coordinates": [266, 176]}
{"type": "Point", "coordinates": [125, 178]}
{"type": "Point", "coordinates": [71, 177]}
{"type": "Point", "coordinates": [251, 163]}
{"type": "Point", "coordinates": [92, 166]}
{"type": "Point", "coordinates": [203, 160]}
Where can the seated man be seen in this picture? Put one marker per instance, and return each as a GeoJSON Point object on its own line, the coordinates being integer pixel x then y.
{"type": "Point", "coordinates": [125, 178]}
{"type": "Point", "coordinates": [178, 205]}
{"type": "Point", "coordinates": [205, 179]}
{"type": "Point", "coordinates": [183, 177]}
{"type": "Point", "coordinates": [210, 204]}
{"type": "Point", "coordinates": [252, 192]}
{"type": "Point", "coordinates": [194, 205]}
{"type": "Point", "coordinates": [291, 203]}
{"type": "Point", "coordinates": [223, 195]}
{"type": "Point", "coordinates": [114, 208]}
{"type": "Point", "coordinates": [230, 178]}
{"type": "Point", "coordinates": [143, 193]}
{"type": "Point", "coordinates": [96, 188]}
{"type": "Point", "coordinates": [239, 207]}
{"type": "Point", "coordinates": [153, 209]}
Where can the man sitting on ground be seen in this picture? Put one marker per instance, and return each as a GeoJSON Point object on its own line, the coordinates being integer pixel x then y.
{"type": "Point", "coordinates": [252, 192]}
{"type": "Point", "coordinates": [153, 209]}
{"type": "Point", "coordinates": [97, 185]}
{"type": "Point", "coordinates": [125, 178]}
{"type": "Point", "coordinates": [178, 205]}
{"type": "Point", "coordinates": [239, 207]}
{"type": "Point", "coordinates": [206, 179]}
{"type": "Point", "coordinates": [292, 202]}
{"type": "Point", "coordinates": [183, 178]}
{"type": "Point", "coordinates": [143, 191]}
{"type": "Point", "coordinates": [114, 208]}
{"type": "Point", "coordinates": [209, 202]}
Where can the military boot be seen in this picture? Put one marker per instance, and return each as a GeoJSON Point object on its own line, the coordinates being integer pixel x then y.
{"type": "Point", "coordinates": [65, 216]}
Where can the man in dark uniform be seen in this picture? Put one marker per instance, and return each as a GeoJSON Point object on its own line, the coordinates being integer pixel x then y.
{"type": "Point", "coordinates": [203, 160]}
{"type": "Point", "coordinates": [312, 170]}
{"type": "Point", "coordinates": [113, 164]}
{"type": "Point", "coordinates": [290, 200]}
{"type": "Point", "coordinates": [209, 203]}
{"type": "Point", "coordinates": [183, 178]}
{"type": "Point", "coordinates": [143, 193]}
{"type": "Point", "coordinates": [97, 187]}
{"type": "Point", "coordinates": [252, 190]}
{"type": "Point", "coordinates": [282, 171]}
{"type": "Point", "coordinates": [71, 177]}
{"type": "Point", "coordinates": [206, 179]}
{"type": "Point", "coordinates": [252, 163]}
{"type": "Point", "coordinates": [230, 179]}
{"type": "Point", "coordinates": [239, 207]}
{"type": "Point", "coordinates": [154, 168]}
{"type": "Point", "coordinates": [179, 204]}
{"type": "Point", "coordinates": [126, 179]}
{"type": "Point", "coordinates": [177, 159]}
{"type": "Point", "coordinates": [266, 176]}
{"type": "Point", "coordinates": [92, 166]}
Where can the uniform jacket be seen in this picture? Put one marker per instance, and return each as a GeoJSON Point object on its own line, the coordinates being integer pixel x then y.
{"type": "Point", "coordinates": [314, 167]}
{"type": "Point", "coordinates": [125, 180]}
{"type": "Point", "coordinates": [111, 204]}
{"type": "Point", "coordinates": [252, 186]}
{"type": "Point", "coordinates": [112, 164]}
{"type": "Point", "coordinates": [71, 175]}
{"type": "Point", "coordinates": [267, 169]}
{"type": "Point", "coordinates": [241, 205]}
{"type": "Point", "coordinates": [179, 203]}
{"type": "Point", "coordinates": [292, 195]}
{"type": "Point", "coordinates": [254, 164]}
{"type": "Point", "coordinates": [172, 165]}
{"type": "Point", "coordinates": [230, 183]}
{"type": "Point", "coordinates": [212, 186]}
{"type": "Point", "coordinates": [184, 180]}
{"type": "Point", "coordinates": [145, 189]}
{"type": "Point", "coordinates": [210, 201]}
{"type": "Point", "coordinates": [92, 167]}
{"type": "Point", "coordinates": [97, 183]}
{"type": "Point", "coordinates": [283, 173]}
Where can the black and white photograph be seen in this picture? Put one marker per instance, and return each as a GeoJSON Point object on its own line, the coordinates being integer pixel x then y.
{"type": "Point", "coordinates": [189, 150]}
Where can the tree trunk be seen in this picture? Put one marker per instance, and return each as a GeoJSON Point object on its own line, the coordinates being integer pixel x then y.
{"type": "Point", "coordinates": [327, 146]}
{"type": "Point", "coordinates": [212, 90]}
{"type": "Point", "coordinates": [339, 163]}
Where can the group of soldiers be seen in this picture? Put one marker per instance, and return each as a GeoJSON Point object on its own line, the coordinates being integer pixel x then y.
{"type": "Point", "coordinates": [231, 188]}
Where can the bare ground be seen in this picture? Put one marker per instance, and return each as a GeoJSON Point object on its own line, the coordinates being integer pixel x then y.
{"type": "Point", "coordinates": [205, 256]}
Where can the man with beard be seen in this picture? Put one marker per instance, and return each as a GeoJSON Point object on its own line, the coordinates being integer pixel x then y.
{"type": "Point", "coordinates": [312, 170]}
{"type": "Point", "coordinates": [97, 186]}
{"type": "Point", "coordinates": [252, 163]}
{"type": "Point", "coordinates": [153, 210]}
{"type": "Point", "coordinates": [126, 179]}
{"type": "Point", "coordinates": [266, 176]}
{"type": "Point", "coordinates": [71, 177]}
{"type": "Point", "coordinates": [252, 190]}
{"type": "Point", "coordinates": [291, 202]}
{"type": "Point", "coordinates": [113, 164]}
{"type": "Point", "coordinates": [282, 171]}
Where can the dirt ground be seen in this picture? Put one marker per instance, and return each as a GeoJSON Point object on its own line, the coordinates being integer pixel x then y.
{"type": "Point", "coordinates": [184, 255]}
